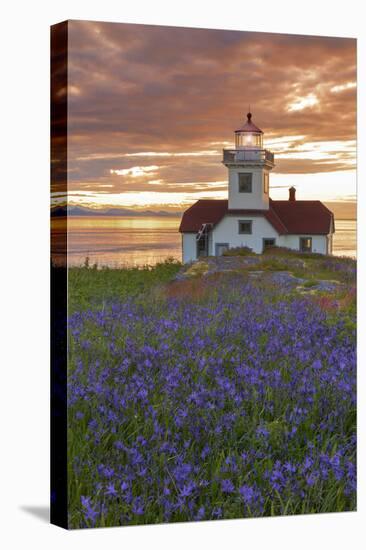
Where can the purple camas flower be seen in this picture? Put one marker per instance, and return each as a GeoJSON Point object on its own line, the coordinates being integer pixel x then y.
{"type": "Point", "coordinates": [108, 472]}
{"type": "Point", "coordinates": [110, 490]}
{"type": "Point", "coordinates": [187, 489]}
{"type": "Point", "coordinates": [311, 479]}
{"type": "Point", "coordinates": [205, 451]}
{"type": "Point", "coordinates": [85, 501]}
{"type": "Point", "coordinates": [244, 457]}
{"type": "Point", "coordinates": [247, 493]}
{"type": "Point", "coordinates": [227, 486]}
{"type": "Point", "coordinates": [217, 512]}
{"type": "Point", "coordinates": [317, 364]}
{"type": "Point", "coordinates": [124, 486]}
{"type": "Point", "coordinates": [277, 477]}
{"type": "Point", "coordinates": [262, 431]}
{"type": "Point", "coordinates": [182, 472]}
{"type": "Point", "coordinates": [138, 506]}
{"type": "Point", "coordinates": [289, 468]}
{"type": "Point", "coordinates": [200, 514]}
{"type": "Point", "coordinates": [336, 465]}
{"type": "Point", "coordinates": [166, 491]}
{"type": "Point", "coordinates": [90, 514]}
{"type": "Point", "coordinates": [308, 463]}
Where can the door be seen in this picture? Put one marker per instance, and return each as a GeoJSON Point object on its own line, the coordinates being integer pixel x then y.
{"type": "Point", "coordinates": [268, 243]}
{"type": "Point", "coordinates": [305, 244]}
{"type": "Point", "coordinates": [202, 246]}
{"type": "Point", "coordinates": [220, 248]}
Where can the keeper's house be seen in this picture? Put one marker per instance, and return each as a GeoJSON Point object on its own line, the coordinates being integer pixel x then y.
{"type": "Point", "coordinates": [250, 217]}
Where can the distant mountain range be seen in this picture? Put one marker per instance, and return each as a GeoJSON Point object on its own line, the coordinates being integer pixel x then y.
{"type": "Point", "coordinates": [61, 211]}
{"type": "Point", "coordinates": [346, 210]}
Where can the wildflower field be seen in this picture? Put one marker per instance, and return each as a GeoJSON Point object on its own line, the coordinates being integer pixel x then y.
{"type": "Point", "coordinates": [212, 392]}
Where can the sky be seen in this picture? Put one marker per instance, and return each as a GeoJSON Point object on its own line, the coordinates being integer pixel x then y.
{"type": "Point", "coordinates": [150, 109]}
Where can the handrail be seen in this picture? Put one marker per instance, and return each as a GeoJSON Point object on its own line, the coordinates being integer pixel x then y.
{"type": "Point", "coordinates": [247, 155]}
{"type": "Point", "coordinates": [203, 230]}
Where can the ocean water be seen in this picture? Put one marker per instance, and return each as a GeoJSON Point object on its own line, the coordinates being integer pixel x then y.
{"type": "Point", "coordinates": [345, 238]}
{"type": "Point", "coordinates": [124, 241]}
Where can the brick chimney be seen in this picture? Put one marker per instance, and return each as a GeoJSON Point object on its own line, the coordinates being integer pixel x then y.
{"type": "Point", "coordinates": [292, 194]}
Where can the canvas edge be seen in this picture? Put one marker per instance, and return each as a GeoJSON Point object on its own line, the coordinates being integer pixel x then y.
{"type": "Point", "coordinates": [58, 355]}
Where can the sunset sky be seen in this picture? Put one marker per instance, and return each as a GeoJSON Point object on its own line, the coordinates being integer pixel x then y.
{"type": "Point", "coordinates": [151, 108]}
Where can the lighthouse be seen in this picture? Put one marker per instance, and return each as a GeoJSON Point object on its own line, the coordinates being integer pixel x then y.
{"type": "Point", "coordinates": [249, 166]}
{"type": "Point", "coordinates": [249, 217]}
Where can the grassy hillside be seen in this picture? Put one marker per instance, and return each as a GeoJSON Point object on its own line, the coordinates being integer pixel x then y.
{"type": "Point", "coordinates": [220, 390]}
{"type": "Point", "coordinates": [91, 287]}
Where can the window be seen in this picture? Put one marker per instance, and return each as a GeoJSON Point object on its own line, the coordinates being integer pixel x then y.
{"type": "Point", "coordinates": [245, 183]}
{"type": "Point", "coordinates": [305, 244]}
{"type": "Point", "coordinates": [248, 140]}
{"type": "Point", "coordinates": [245, 227]}
{"type": "Point", "coordinates": [266, 183]}
{"type": "Point", "coordinates": [268, 243]}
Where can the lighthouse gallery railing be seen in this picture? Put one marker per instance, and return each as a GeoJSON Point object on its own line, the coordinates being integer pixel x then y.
{"type": "Point", "coordinates": [254, 155]}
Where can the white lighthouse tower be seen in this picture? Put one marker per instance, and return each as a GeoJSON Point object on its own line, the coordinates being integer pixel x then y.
{"type": "Point", "coordinates": [249, 166]}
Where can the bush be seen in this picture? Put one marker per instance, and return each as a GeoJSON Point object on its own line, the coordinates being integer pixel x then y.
{"type": "Point", "coordinates": [310, 284]}
{"type": "Point", "coordinates": [239, 251]}
{"type": "Point", "coordinates": [283, 251]}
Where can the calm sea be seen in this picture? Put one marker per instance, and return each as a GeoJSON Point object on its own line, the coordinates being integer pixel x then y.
{"type": "Point", "coordinates": [116, 241]}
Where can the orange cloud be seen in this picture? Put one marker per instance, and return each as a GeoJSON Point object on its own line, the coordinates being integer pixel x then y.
{"type": "Point", "coordinates": [172, 97]}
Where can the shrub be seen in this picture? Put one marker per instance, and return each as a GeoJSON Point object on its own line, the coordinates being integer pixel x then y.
{"type": "Point", "coordinates": [310, 283]}
{"type": "Point", "coordinates": [238, 251]}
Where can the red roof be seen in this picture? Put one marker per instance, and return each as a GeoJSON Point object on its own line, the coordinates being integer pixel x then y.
{"type": "Point", "coordinates": [299, 217]}
{"type": "Point", "coordinates": [202, 211]}
{"type": "Point", "coordinates": [287, 217]}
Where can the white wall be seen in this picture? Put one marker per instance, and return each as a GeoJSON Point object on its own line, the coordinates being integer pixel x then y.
{"type": "Point", "coordinates": [227, 231]}
{"type": "Point", "coordinates": [189, 246]}
{"type": "Point", "coordinates": [319, 242]}
{"type": "Point", "coordinates": [257, 198]}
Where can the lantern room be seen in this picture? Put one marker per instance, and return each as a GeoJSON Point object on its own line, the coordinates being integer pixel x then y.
{"type": "Point", "coordinates": [249, 136]}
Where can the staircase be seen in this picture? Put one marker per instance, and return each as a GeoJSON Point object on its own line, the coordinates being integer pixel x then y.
{"type": "Point", "coordinates": [205, 227]}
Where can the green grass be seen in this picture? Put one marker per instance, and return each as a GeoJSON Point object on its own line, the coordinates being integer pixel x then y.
{"type": "Point", "coordinates": [91, 287]}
